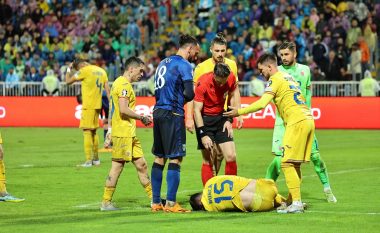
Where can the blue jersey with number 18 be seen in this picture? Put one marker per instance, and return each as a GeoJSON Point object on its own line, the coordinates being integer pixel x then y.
{"type": "Point", "coordinates": [171, 74]}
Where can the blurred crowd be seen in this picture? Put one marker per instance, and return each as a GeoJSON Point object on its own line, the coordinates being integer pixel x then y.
{"type": "Point", "coordinates": [337, 39]}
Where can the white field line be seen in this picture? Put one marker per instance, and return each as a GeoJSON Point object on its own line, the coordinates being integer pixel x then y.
{"type": "Point", "coordinates": [343, 213]}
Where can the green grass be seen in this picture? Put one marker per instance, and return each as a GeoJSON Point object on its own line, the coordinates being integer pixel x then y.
{"type": "Point", "coordinates": [41, 166]}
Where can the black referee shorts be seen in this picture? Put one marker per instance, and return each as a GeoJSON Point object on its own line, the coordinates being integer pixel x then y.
{"type": "Point", "coordinates": [213, 126]}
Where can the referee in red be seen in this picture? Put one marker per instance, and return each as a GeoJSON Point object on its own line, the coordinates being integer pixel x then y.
{"type": "Point", "coordinates": [212, 128]}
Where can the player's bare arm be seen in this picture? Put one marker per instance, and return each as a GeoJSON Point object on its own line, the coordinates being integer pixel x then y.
{"type": "Point", "coordinates": [189, 123]}
{"type": "Point", "coordinates": [206, 140]}
{"type": "Point", "coordinates": [126, 112]}
{"type": "Point", "coordinates": [70, 75]}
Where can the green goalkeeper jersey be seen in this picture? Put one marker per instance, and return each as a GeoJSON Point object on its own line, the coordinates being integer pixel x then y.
{"type": "Point", "coordinates": [301, 74]}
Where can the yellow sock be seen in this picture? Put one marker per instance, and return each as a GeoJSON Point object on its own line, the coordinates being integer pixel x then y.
{"type": "Point", "coordinates": [88, 144]}
{"type": "Point", "coordinates": [2, 177]}
{"type": "Point", "coordinates": [297, 166]}
{"type": "Point", "coordinates": [108, 193]}
{"type": "Point", "coordinates": [148, 189]}
{"type": "Point", "coordinates": [95, 147]}
{"type": "Point", "coordinates": [292, 181]}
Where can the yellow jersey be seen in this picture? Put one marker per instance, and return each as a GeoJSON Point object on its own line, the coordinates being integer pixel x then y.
{"type": "Point", "coordinates": [288, 98]}
{"type": "Point", "coordinates": [222, 193]}
{"type": "Point", "coordinates": [121, 88]}
{"type": "Point", "coordinates": [208, 66]}
{"type": "Point", "coordinates": [93, 79]}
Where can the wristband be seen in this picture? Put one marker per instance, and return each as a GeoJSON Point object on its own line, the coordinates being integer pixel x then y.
{"type": "Point", "coordinates": [202, 131]}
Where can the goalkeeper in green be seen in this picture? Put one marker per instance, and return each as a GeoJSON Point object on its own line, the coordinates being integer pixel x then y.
{"type": "Point", "coordinates": [301, 73]}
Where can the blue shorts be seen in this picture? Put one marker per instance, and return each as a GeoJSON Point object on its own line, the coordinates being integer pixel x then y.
{"type": "Point", "coordinates": [169, 134]}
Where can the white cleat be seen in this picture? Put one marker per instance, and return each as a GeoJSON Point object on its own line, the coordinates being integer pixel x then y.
{"type": "Point", "coordinates": [330, 196]}
{"type": "Point", "coordinates": [96, 162]}
{"type": "Point", "coordinates": [85, 164]}
{"type": "Point", "coordinates": [292, 209]}
{"type": "Point", "coordinates": [108, 206]}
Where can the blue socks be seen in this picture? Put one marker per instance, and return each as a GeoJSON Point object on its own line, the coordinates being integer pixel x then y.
{"type": "Point", "coordinates": [156, 177]}
{"type": "Point", "coordinates": [172, 179]}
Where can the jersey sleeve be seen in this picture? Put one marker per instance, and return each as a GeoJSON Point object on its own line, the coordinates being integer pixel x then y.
{"type": "Point", "coordinates": [80, 75]}
{"type": "Point", "coordinates": [122, 91]}
{"type": "Point", "coordinates": [199, 92]}
{"type": "Point", "coordinates": [186, 72]}
{"type": "Point", "coordinates": [197, 73]}
{"type": "Point", "coordinates": [272, 87]}
{"type": "Point", "coordinates": [232, 83]}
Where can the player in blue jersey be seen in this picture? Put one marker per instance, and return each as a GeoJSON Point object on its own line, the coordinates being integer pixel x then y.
{"type": "Point", "coordinates": [173, 83]}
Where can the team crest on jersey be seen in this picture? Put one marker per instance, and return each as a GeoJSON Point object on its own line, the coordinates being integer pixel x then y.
{"type": "Point", "coordinates": [124, 93]}
{"type": "Point", "coordinates": [269, 83]}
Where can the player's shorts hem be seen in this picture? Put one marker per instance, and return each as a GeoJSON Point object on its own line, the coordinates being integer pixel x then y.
{"type": "Point", "coordinates": [169, 156]}
{"type": "Point", "coordinates": [295, 161]}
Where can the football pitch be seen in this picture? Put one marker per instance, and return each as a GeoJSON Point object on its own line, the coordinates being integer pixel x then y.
{"type": "Point", "coordinates": [60, 197]}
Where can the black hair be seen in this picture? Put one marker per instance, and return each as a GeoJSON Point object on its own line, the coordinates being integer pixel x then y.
{"type": "Point", "coordinates": [219, 39]}
{"type": "Point", "coordinates": [185, 40]}
{"type": "Point", "coordinates": [133, 61]}
{"type": "Point", "coordinates": [195, 201]}
{"type": "Point", "coordinates": [222, 70]}
{"type": "Point", "coordinates": [267, 58]}
{"type": "Point", "coordinates": [288, 45]}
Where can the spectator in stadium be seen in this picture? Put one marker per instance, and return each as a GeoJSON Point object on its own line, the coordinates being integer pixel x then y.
{"type": "Point", "coordinates": [365, 54]}
{"type": "Point", "coordinates": [174, 88]}
{"type": "Point", "coordinates": [218, 50]}
{"type": "Point", "coordinates": [242, 195]}
{"type": "Point", "coordinates": [12, 83]}
{"type": "Point", "coordinates": [355, 62]}
{"type": "Point", "coordinates": [297, 143]}
{"type": "Point", "coordinates": [369, 86]}
{"type": "Point", "coordinates": [126, 146]}
{"type": "Point", "coordinates": [94, 80]}
{"type": "Point", "coordinates": [50, 84]}
{"type": "Point", "coordinates": [212, 128]}
{"type": "Point", "coordinates": [4, 195]}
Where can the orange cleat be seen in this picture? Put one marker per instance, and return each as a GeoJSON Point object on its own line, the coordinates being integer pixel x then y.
{"type": "Point", "coordinates": [157, 207]}
{"type": "Point", "coordinates": [175, 209]}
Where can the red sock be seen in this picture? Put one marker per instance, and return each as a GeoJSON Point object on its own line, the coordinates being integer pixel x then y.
{"type": "Point", "coordinates": [207, 173]}
{"type": "Point", "coordinates": [231, 168]}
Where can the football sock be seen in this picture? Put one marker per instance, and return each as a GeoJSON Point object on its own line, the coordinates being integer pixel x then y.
{"type": "Point", "coordinates": [95, 146]}
{"type": "Point", "coordinates": [156, 176]}
{"type": "Point", "coordinates": [320, 169]}
{"type": "Point", "coordinates": [231, 168]}
{"type": "Point", "coordinates": [274, 169]}
{"type": "Point", "coordinates": [206, 173]}
{"type": "Point", "coordinates": [108, 193]}
{"type": "Point", "coordinates": [292, 180]}
{"type": "Point", "coordinates": [148, 190]}
{"type": "Point", "coordinates": [172, 179]}
{"type": "Point", "coordinates": [88, 144]}
{"type": "Point", "coordinates": [3, 189]}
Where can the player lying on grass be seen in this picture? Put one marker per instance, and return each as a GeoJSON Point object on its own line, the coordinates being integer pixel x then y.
{"type": "Point", "coordinates": [235, 193]}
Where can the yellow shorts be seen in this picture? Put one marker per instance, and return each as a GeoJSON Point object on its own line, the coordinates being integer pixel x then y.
{"type": "Point", "coordinates": [89, 119]}
{"type": "Point", "coordinates": [298, 140]}
{"type": "Point", "coordinates": [126, 149]}
{"type": "Point", "coordinates": [263, 198]}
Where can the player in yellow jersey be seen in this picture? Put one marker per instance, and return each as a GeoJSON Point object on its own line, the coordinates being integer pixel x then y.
{"type": "Point", "coordinates": [214, 158]}
{"type": "Point", "coordinates": [234, 193]}
{"type": "Point", "coordinates": [94, 80]}
{"type": "Point", "coordinates": [126, 146]}
{"type": "Point", "coordinates": [299, 124]}
{"type": "Point", "coordinates": [4, 195]}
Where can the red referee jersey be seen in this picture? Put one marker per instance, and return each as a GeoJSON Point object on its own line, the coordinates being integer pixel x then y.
{"type": "Point", "coordinates": [211, 94]}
